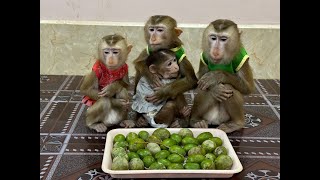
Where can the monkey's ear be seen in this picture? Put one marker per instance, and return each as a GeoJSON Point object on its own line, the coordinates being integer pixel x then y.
{"type": "Point", "coordinates": [153, 69]}
{"type": "Point", "coordinates": [178, 31]}
{"type": "Point", "coordinates": [129, 48]}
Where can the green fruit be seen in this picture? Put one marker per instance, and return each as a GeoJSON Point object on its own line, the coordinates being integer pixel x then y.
{"type": "Point", "coordinates": [163, 154]}
{"type": "Point", "coordinates": [130, 136]}
{"type": "Point", "coordinates": [178, 150]}
{"type": "Point", "coordinates": [175, 166]}
{"type": "Point", "coordinates": [217, 140]}
{"type": "Point", "coordinates": [176, 137]}
{"type": "Point", "coordinates": [175, 158]}
{"type": "Point", "coordinates": [136, 164]}
{"type": "Point", "coordinates": [223, 162]}
{"type": "Point", "coordinates": [210, 156]}
{"type": "Point", "coordinates": [120, 163]}
{"type": "Point", "coordinates": [167, 143]}
{"type": "Point", "coordinates": [166, 162]}
{"type": "Point", "coordinates": [136, 144]}
{"type": "Point", "coordinates": [185, 132]}
{"type": "Point", "coordinates": [208, 145]}
{"type": "Point", "coordinates": [207, 164]}
{"type": "Point", "coordinates": [157, 165]}
{"type": "Point", "coordinates": [148, 160]}
{"type": "Point", "coordinates": [197, 150]}
{"type": "Point", "coordinates": [204, 136]}
{"type": "Point", "coordinates": [117, 151]}
{"type": "Point", "coordinates": [220, 150]}
{"type": "Point", "coordinates": [153, 148]}
{"type": "Point", "coordinates": [132, 155]}
{"type": "Point", "coordinates": [123, 144]}
{"type": "Point", "coordinates": [195, 158]}
{"type": "Point", "coordinates": [161, 133]}
{"type": "Point", "coordinates": [119, 138]}
{"type": "Point", "coordinates": [143, 135]}
{"type": "Point", "coordinates": [192, 166]}
{"type": "Point", "coordinates": [189, 140]}
{"type": "Point", "coordinates": [143, 153]}
{"type": "Point", "coordinates": [187, 147]}
{"type": "Point", "coordinates": [154, 139]}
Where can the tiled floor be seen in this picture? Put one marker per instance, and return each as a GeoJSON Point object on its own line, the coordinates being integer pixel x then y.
{"type": "Point", "coordinates": [69, 150]}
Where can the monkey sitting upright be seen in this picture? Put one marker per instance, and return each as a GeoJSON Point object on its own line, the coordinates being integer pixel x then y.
{"type": "Point", "coordinates": [105, 87]}
{"type": "Point", "coordinates": [224, 77]}
{"type": "Point", "coordinates": [162, 63]}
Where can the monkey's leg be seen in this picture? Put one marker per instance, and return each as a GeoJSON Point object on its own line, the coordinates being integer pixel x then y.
{"type": "Point", "coordinates": [166, 114]}
{"type": "Point", "coordinates": [121, 104]}
{"type": "Point", "coordinates": [95, 115]}
{"type": "Point", "coordinates": [234, 107]}
{"type": "Point", "coordinates": [201, 104]}
{"type": "Point", "coordinates": [183, 112]}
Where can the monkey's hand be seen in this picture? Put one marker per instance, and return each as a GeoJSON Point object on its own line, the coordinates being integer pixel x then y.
{"type": "Point", "coordinates": [185, 111]}
{"type": "Point", "coordinates": [106, 91]}
{"type": "Point", "coordinates": [155, 81]}
{"type": "Point", "coordinates": [175, 124]}
{"type": "Point", "coordinates": [220, 92]}
{"type": "Point", "coordinates": [211, 78]}
{"type": "Point", "coordinates": [157, 97]}
{"type": "Point", "coordinates": [127, 124]}
{"type": "Point", "coordinates": [142, 122]}
{"type": "Point", "coordinates": [200, 124]}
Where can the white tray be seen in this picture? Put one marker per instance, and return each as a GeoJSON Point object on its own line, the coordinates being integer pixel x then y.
{"type": "Point", "coordinates": [183, 173]}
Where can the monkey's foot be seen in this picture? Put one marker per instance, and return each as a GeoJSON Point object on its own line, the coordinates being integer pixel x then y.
{"type": "Point", "coordinates": [142, 122]}
{"type": "Point", "coordinates": [127, 124]}
{"type": "Point", "coordinates": [185, 111]}
{"type": "Point", "coordinates": [200, 124]}
{"type": "Point", "coordinates": [101, 127]}
{"type": "Point", "coordinates": [230, 127]}
{"type": "Point", "coordinates": [175, 124]}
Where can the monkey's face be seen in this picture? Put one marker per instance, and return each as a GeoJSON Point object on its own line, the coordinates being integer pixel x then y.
{"type": "Point", "coordinates": [114, 56]}
{"type": "Point", "coordinates": [169, 69]}
{"type": "Point", "coordinates": [222, 46]}
{"type": "Point", "coordinates": [158, 36]}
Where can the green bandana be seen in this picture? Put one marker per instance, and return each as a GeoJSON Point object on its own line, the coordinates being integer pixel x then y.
{"type": "Point", "coordinates": [232, 67]}
{"type": "Point", "coordinates": [179, 51]}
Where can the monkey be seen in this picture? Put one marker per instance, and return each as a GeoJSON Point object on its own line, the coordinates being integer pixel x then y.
{"type": "Point", "coordinates": [105, 88]}
{"type": "Point", "coordinates": [161, 32]}
{"type": "Point", "coordinates": [162, 63]}
{"type": "Point", "coordinates": [225, 75]}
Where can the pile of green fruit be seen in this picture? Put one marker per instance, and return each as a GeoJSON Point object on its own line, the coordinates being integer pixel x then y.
{"type": "Point", "coordinates": [163, 150]}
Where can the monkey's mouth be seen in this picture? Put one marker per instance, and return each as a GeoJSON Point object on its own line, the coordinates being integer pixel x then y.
{"type": "Point", "coordinates": [216, 60]}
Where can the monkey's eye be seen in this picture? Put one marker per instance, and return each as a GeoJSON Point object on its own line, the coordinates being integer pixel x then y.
{"type": "Point", "coordinates": [115, 52]}
{"type": "Point", "coordinates": [223, 38]}
{"type": "Point", "coordinates": [106, 52]}
{"type": "Point", "coordinates": [213, 38]}
{"type": "Point", "coordinates": [169, 64]}
{"type": "Point", "coordinates": [151, 29]}
{"type": "Point", "coordinates": [174, 60]}
{"type": "Point", "coordinates": [160, 30]}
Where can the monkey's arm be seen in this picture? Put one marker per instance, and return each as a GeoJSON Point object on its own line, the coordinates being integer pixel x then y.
{"type": "Point", "coordinates": [89, 86]}
{"type": "Point", "coordinates": [187, 82]}
{"type": "Point", "coordinates": [111, 89]}
{"type": "Point", "coordinates": [143, 70]}
{"type": "Point", "coordinates": [202, 70]}
{"type": "Point", "coordinates": [242, 80]}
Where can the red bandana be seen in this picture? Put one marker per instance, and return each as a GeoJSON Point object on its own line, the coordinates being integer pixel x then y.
{"type": "Point", "coordinates": [105, 77]}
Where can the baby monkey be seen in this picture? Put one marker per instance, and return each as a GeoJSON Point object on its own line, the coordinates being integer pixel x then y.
{"type": "Point", "coordinates": [171, 113]}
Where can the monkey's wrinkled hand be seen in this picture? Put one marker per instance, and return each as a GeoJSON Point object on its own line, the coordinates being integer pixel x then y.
{"type": "Point", "coordinates": [211, 78]}
{"type": "Point", "coordinates": [185, 111]}
{"type": "Point", "coordinates": [220, 92]}
{"type": "Point", "coordinates": [200, 124]}
{"type": "Point", "coordinates": [127, 124]}
{"type": "Point", "coordinates": [175, 124]}
{"type": "Point", "coordinates": [142, 122]}
{"type": "Point", "coordinates": [157, 97]}
{"type": "Point", "coordinates": [106, 91]}
{"type": "Point", "coordinates": [155, 81]}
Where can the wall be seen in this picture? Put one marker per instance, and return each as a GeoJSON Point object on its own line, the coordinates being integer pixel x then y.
{"type": "Point", "coordinates": [70, 29]}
